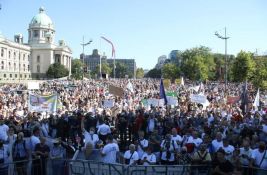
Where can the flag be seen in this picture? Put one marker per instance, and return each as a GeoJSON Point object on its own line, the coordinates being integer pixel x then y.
{"type": "Point", "coordinates": [162, 94]}
{"type": "Point", "coordinates": [130, 87]}
{"type": "Point", "coordinates": [257, 100]}
{"type": "Point", "coordinates": [244, 98]}
{"type": "Point", "coordinates": [182, 81]}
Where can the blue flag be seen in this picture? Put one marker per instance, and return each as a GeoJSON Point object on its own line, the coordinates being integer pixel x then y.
{"type": "Point", "coordinates": [162, 94]}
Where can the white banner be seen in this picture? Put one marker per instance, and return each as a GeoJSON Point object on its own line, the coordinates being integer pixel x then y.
{"type": "Point", "coordinates": [108, 103]}
{"type": "Point", "coordinates": [33, 85]}
{"type": "Point", "coordinates": [196, 98]}
{"type": "Point", "coordinates": [38, 103]}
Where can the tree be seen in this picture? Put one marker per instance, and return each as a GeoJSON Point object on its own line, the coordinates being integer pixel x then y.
{"type": "Point", "coordinates": [140, 73]}
{"type": "Point", "coordinates": [105, 69]}
{"type": "Point", "coordinates": [170, 71]}
{"type": "Point", "coordinates": [243, 67]}
{"type": "Point", "coordinates": [259, 77]}
{"type": "Point", "coordinates": [154, 73]}
{"type": "Point", "coordinates": [198, 64]}
{"type": "Point", "coordinates": [77, 69]}
{"type": "Point", "coordinates": [121, 70]}
{"type": "Point", "coordinates": [57, 70]}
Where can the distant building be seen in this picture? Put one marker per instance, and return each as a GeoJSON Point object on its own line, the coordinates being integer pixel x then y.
{"type": "Point", "coordinates": [92, 61]}
{"type": "Point", "coordinates": [175, 57]}
{"type": "Point", "coordinates": [161, 61]}
{"type": "Point", "coordinates": [31, 60]}
{"type": "Point", "coordinates": [129, 63]}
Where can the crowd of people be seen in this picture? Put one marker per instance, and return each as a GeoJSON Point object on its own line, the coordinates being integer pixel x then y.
{"type": "Point", "coordinates": [226, 137]}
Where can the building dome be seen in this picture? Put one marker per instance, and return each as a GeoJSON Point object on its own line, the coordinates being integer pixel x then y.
{"type": "Point", "coordinates": [42, 19]}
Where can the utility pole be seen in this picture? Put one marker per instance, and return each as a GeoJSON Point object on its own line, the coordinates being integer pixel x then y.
{"type": "Point", "coordinates": [225, 38]}
{"type": "Point", "coordinates": [85, 44]}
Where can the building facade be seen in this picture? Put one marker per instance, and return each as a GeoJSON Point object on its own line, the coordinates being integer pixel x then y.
{"type": "Point", "coordinates": [31, 60]}
{"type": "Point", "coordinates": [92, 61]}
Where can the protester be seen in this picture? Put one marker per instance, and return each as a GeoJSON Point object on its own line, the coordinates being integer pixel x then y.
{"type": "Point", "coordinates": [131, 156]}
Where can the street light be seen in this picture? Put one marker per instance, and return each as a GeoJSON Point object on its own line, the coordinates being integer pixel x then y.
{"type": "Point", "coordinates": [85, 44]}
{"type": "Point", "coordinates": [225, 38]}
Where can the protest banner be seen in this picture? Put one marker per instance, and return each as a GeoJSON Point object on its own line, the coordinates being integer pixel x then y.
{"type": "Point", "coordinates": [232, 99]}
{"type": "Point", "coordinates": [172, 100]}
{"type": "Point", "coordinates": [196, 98]}
{"type": "Point", "coordinates": [38, 103]}
{"type": "Point", "coordinates": [166, 83]}
{"type": "Point", "coordinates": [33, 85]}
{"type": "Point", "coordinates": [117, 91]}
{"type": "Point", "coordinates": [108, 103]}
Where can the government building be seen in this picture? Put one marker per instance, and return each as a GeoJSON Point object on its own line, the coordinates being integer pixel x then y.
{"type": "Point", "coordinates": [20, 61]}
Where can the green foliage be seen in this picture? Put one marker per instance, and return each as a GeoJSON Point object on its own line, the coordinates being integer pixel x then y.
{"type": "Point", "coordinates": [121, 71]}
{"type": "Point", "coordinates": [140, 73]}
{"type": "Point", "coordinates": [198, 64]}
{"type": "Point", "coordinates": [154, 73]}
{"type": "Point", "coordinates": [243, 67]}
{"type": "Point", "coordinates": [105, 69]}
{"type": "Point", "coordinates": [57, 70]}
{"type": "Point", "coordinates": [259, 78]}
{"type": "Point", "coordinates": [77, 69]}
{"type": "Point", "coordinates": [170, 71]}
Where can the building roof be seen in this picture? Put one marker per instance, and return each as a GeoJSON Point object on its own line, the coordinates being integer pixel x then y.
{"type": "Point", "coordinates": [42, 19]}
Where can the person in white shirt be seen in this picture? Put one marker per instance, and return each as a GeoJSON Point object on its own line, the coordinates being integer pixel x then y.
{"type": "Point", "coordinates": [110, 151]}
{"type": "Point", "coordinates": [259, 158]}
{"type": "Point", "coordinates": [168, 148]}
{"type": "Point", "coordinates": [217, 143]}
{"type": "Point", "coordinates": [3, 129]}
{"type": "Point", "coordinates": [177, 138]}
{"type": "Point", "coordinates": [245, 154]}
{"type": "Point", "coordinates": [194, 139]}
{"type": "Point", "coordinates": [148, 157]}
{"type": "Point", "coordinates": [89, 137]}
{"type": "Point", "coordinates": [229, 149]}
{"type": "Point", "coordinates": [141, 144]}
{"type": "Point", "coordinates": [34, 139]}
{"type": "Point", "coordinates": [131, 156]}
{"type": "Point", "coordinates": [103, 130]}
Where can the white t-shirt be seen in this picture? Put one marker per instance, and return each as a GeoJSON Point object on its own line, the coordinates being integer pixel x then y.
{"type": "Point", "coordinates": [228, 151]}
{"type": "Point", "coordinates": [257, 156]}
{"type": "Point", "coordinates": [110, 150]}
{"type": "Point", "coordinates": [196, 141]}
{"type": "Point", "coordinates": [173, 146]}
{"type": "Point", "coordinates": [140, 151]}
{"type": "Point", "coordinates": [128, 154]}
{"type": "Point", "coordinates": [216, 145]}
{"type": "Point", "coordinates": [103, 129]}
{"type": "Point", "coordinates": [33, 142]}
{"type": "Point", "coordinates": [3, 132]}
{"type": "Point", "coordinates": [177, 138]}
{"type": "Point", "coordinates": [248, 153]}
{"type": "Point", "coordinates": [150, 158]}
{"type": "Point", "coordinates": [90, 138]}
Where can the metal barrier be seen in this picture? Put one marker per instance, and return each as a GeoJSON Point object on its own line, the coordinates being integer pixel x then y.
{"type": "Point", "coordinates": [83, 167]}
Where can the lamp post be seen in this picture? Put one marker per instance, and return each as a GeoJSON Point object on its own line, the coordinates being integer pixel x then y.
{"type": "Point", "coordinates": [225, 38]}
{"type": "Point", "coordinates": [85, 44]}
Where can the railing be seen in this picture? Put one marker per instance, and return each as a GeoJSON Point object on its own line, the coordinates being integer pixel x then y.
{"type": "Point", "coordinates": [84, 167]}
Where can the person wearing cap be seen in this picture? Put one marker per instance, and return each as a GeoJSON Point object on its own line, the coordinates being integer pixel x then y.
{"type": "Point", "coordinates": [110, 151]}
{"type": "Point", "coordinates": [220, 165]}
{"type": "Point", "coordinates": [131, 156]}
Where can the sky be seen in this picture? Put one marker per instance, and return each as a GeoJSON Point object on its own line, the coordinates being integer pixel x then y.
{"type": "Point", "coordinates": [145, 29]}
